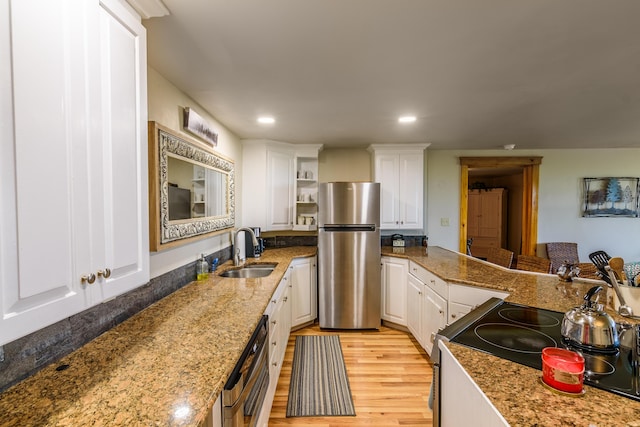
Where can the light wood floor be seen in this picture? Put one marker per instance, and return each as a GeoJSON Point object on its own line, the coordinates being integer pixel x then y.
{"type": "Point", "coordinates": [389, 374]}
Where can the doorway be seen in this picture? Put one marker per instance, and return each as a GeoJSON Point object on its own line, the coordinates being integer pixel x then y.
{"type": "Point", "coordinates": [526, 171]}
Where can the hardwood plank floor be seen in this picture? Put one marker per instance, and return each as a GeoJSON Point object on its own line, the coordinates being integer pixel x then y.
{"type": "Point", "coordinates": [389, 374]}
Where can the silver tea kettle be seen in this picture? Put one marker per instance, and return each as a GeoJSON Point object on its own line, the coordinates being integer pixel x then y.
{"type": "Point", "coordinates": [589, 325]}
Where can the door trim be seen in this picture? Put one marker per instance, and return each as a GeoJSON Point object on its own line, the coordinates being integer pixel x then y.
{"type": "Point", "coordinates": [530, 172]}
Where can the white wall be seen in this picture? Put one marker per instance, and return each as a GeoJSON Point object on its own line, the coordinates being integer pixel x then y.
{"type": "Point", "coordinates": [165, 107]}
{"type": "Point", "coordinates": [559, 198]}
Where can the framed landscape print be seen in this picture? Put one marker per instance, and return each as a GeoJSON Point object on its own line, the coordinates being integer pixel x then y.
{"type": "Point", "coordinates": [611, 196]}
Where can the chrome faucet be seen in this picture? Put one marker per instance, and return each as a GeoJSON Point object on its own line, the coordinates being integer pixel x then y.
{"type": "Point", "coordinates": [236, 249]}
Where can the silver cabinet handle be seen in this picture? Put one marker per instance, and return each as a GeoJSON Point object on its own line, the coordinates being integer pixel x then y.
{"type": "Point", "coordinates": [106, 273]}
{"type": "Point", "coordinates": [90, 278]}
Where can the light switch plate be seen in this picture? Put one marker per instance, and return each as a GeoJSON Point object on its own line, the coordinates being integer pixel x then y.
{"type": "Point", "coordinates": [444, 222]}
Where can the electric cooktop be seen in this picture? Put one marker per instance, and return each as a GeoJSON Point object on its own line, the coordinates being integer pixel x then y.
{"type": "Point", "coordinates": [519, 333]}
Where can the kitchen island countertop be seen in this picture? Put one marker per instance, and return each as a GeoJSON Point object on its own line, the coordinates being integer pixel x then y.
{"type": "Point", "coordinates": [515, 390]}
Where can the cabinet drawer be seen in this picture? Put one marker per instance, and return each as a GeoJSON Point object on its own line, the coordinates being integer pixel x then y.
{"type": "Point", "coordinates": [471, 296]}
{"type": "Point", "coordinates": [438, 285]}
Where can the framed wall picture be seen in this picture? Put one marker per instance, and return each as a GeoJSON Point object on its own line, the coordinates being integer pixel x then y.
{"type": "Point", "coordinates": [196, 125]}
{"type": "Point", "coordinates": [613, 196]}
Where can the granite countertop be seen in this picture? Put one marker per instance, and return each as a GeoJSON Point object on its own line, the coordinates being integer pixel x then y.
{"type": "Point", "coordinates": [164, 366]}
{"type": "Point", "coordinates": [515, 390]}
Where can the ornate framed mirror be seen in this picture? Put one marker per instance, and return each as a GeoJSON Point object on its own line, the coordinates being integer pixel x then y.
{"type": "Point", "coordinates": [191, 189]}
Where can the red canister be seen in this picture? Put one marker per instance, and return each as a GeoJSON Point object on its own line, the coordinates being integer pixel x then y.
{"type": "Point", "coordinates": [563, 369]}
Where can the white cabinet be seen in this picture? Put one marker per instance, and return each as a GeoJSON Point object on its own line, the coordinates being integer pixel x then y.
{"type": "Point", "coordinates": [400, 172]}
{"type": "Point", "coordinates": [271, 187]}
{"type": "Point", "coordinates": [279, 312]}
{"type": "Point", "coordinates": [306, 202]}
{"type": "Point", "coordinates": [304, 292]}
{"type": "Point", "coordinates": [457, 388]}
{"type": "Point", "coordinates": [463, 299]}
{"type": "Point", "coordinates": [434, 317]}
{"type": "Point", "coordinates": [280, 187]}
{"type": "Point", "coordinates": [73, 159]}
{"type": "Point", "coordinates": [415, 310]}
{"type": "Point", "coordinates": [426, 305]}
{"type": "Point", "coordinates": [394, 290]}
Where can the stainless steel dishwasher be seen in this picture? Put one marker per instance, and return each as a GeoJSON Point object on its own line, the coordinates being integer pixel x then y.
{"type": "Point", "coordinates": [244, 392]}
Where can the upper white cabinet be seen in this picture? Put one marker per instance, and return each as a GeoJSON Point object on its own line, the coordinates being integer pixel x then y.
{"type": "Point", "coordinates": [269, 180]}
{"type": "Point", "coordinates": [73, 156]}
{"type": "Point", "coordinates": [306, 203]}
{"type": "Point", "coordinates": [400, 171]}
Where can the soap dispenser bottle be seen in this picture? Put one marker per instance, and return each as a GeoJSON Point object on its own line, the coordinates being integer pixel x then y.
{"type": "Point", "coordinates": [202, 268]}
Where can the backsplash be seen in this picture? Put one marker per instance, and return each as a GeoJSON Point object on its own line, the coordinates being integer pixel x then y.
{"type": "Point", "coordinates": [26, 356]}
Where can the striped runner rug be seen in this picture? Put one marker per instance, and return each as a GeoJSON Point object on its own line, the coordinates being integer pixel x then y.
{"type": "Point", "coordinates": [319, 385]}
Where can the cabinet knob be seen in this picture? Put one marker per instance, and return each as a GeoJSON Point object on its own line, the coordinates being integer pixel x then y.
{"type": "Point", "coordinates": [274, 364]}
{"type": "Point", "coordinates": [419, 292]}
{"type": "Point", "coordinates": [285, 299]}
{"type": "Point", "coordinates": [274, 301]}
{"type": "Point", "coordinates": [453, 316]}
{"type": "Point", "coordinates": [90, 278]}
{"type": "Point", "coordinates": [106, 273]}
{"type": "Point", "coordinates": [273, 322]}
{"type": "Point", "coordinates": [442, 312]}
{"type": "Point", "coordinates": [274, 343]}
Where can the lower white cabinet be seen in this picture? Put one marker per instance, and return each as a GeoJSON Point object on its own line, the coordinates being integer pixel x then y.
{"type": "Point", "coordinates": [304, 294]}
{"type": "Point", "coordinates": [462, 403]}
{"type": "Point", "coordinates": [279, 312]}
{"type": "Point", "coordinates": [463, 299]}
{"type": "Point", "coordinates": [432, 303]}
{"type": "Point", "coordinates": [394, 290]}
{"type": "Point", "coordinates": [426, 309]}
{"type": "Point", "coordinates": [434, 317]}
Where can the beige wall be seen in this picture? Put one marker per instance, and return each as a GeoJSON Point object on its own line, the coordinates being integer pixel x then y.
{"type": "Point", "coordinates": [341, 164]}
{"type": "Point", "coordinates": [166, 103]}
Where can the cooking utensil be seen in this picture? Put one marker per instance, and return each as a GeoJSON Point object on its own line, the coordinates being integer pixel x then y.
{"type": "Point", "coordinates": [624, 309]}
{"type": "Point", "coordinates": [617, 265]}
{"type": "Point", "coordinates": [589, 325]}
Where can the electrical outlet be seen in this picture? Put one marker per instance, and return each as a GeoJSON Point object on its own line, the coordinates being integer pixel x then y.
{"type": "Point", "coordinates": [444, 222]}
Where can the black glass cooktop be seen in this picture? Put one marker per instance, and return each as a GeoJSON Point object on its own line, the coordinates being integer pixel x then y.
{"type": "Point", "coordinates": [519, 333]}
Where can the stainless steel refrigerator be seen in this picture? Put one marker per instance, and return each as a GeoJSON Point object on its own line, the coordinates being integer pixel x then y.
{"type": "Point", "coordinates": [349, 255]}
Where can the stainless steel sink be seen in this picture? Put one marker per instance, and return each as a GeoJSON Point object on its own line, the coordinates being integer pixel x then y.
{"type": "Point", "coordinates": [250, 271]}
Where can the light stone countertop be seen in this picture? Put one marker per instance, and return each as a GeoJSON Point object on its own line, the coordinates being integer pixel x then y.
{"type": "Point", "coordinates": [515, 390]}
{"type": "Point", "coordinates": [165, 366]}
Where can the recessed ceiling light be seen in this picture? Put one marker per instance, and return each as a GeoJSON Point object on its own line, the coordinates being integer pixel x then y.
{"type": "Point", "coordinates": [509, 146]}
{"type": "Point", "coordinates": [266, 120]}
{"type": "Point", "coordinates": [407, 119]}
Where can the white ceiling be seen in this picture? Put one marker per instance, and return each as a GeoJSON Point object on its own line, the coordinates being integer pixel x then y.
{"type": "Point", "coordinates": [478, 74]}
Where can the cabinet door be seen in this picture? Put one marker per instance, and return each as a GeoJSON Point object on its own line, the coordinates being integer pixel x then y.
{"type": "Point", "coordinates": [303, 291]}
{"type": "Point", "coordinates": [458, 390]}
{"type": "Point", "coordinates": [44, 161]}
{"type": "Point", "coordinates": [415, 308]}
{"type": "Point", "coordinates": [121, 205]}
{"type": "Point", "coordinates": [394, 290]}
{"type": "Point", "coordinates": [280, 186]}
{"type": "Point", "coordinates": [434, 317]}
{"type": "Point", "coordinates": [387, 173]}
{"type": "Point", "coordinates": [411, 190]}
{"type": "Point", "coordinates": [457, 310]}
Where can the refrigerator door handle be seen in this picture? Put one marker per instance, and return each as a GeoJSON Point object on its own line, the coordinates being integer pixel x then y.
{"type": "Point", "coordinates": [348, 228]}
